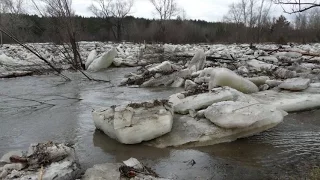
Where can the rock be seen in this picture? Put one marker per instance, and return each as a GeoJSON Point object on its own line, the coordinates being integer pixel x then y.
{"type": "Point", "coordinates": [59, 162]}
{"type": "Point", "coordinates": [103, 62]}
{"type": "Point", "coordinates": [92, 56]}
{"type": "Point", "coordinates": [290, 101]}
{"type": "Point", "coordinates": [198, 61]}
{"type": "Point", "coordinates": [190, 132]}
{"type": "Point", "coordinates": [225, 77]}
{"type": "Point", "coordinates": [259, 65]}
{"type": "Point", "coordinates": [200, 101]}
{"type": "Point", "coordinates": [189, 85]}
{"type": "Point", "coordinates": [284, 73]}
{"type": "Point", "coordinates": [264, 87]}
{"type": "Point", "coordinates": [259, 80]}
{"type": "Point", "coordinates": [295, 84]}
{"type": "Point", "coordinates": [164, 67]}
{"type": "Point", "coordinates": [273, 83]}
{"type": "Point", "coordinates": [134, 123]}
{"type": "Point", "coordinates": [230, 114]}
{"type": "Point", "coordinates": [268, 58]}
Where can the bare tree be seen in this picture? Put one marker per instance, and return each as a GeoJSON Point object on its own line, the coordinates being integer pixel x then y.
{"type": "Point", "coordinates": [234, 14]}
{"type": "Point", "coordinates": [314, 19]}
{"type": "Point", "coordinates": [165, 10]}
{"type": "Point", "coordinates": [114, 11]}
{"type": "Point", "coordinates": [250, 13]}
{"type": "Point", "coordinates": [9, 15]}
{"type": "Point", "coordinates": [263, 16]}
{"type": "Point", "coordinates": [297, 6]}
{"type": "Point", "coordinates": [62, 13]}
{"type": "Point", "coordinates": [12, 6]}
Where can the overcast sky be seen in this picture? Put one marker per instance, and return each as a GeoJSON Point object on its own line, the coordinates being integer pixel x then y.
{"type": "Point", "coordinates": [209, 10]}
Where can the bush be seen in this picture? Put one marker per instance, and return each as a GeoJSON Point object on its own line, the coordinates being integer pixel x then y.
{"type": "Point", "coordinates": [281, 40]}
{"type": "Point", "coordinates": [315, 173]}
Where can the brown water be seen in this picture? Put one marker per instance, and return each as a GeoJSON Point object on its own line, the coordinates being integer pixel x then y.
{"type": "Point", "coordinates": [43, 108]}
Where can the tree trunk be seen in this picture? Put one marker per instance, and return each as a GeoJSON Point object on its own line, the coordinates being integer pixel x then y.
{"type": "Point", "coordinates": [119, 31]}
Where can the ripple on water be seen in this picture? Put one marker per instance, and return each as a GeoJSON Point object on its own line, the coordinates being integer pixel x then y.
{"type": "Point", "coordinates": [292, 147]}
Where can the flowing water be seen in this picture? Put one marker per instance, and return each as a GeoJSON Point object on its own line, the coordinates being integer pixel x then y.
{"type": "Point", "coordinates": [45, 108]}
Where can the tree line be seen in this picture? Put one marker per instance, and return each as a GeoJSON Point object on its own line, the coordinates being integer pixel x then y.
{"type": "Point", "coordinates": [33, 28]}
{"type": "Point", "coordinates": [247, 21]}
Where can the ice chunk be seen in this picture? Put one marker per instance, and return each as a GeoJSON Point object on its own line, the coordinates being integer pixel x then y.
{"type": "Point", "coordinates": [200, 101]}
{"type": "Point", "coordinates": [59, 162]}
{"type": "Point", "coordinates": [285, 73]}
{"type": "Point", "coordinates": [134, 123]}
{"type": "Point", "coordinates": [226, 77]}
{"type": "Point", "coordinates": [290, 101]}
{"type": "Point", "coordinates": [293, 54]}
{"type": "Point", "coordinates": [259, 80]}
{"type": "Point", "coordinates": [295, 84]}
{"type": "Point", "coordinates": [110, 171]}
{"type": "Point", "coordinates": [133, 162]}
{"type": "Point", "coordinates": [198, 61]}
{"type": "Point", "coordinates": [117, 62]}
{"type": "Point", "coordinates": [103, 62]}
{"type": "Point", "coordinates": [165, 66]}
{"type": "Point", "coordinates": [178, 82]}
{"type": "Point", "coordinates": [243, 70]}
{"type": "Point", "coordinates": [230, 114]}
{"type": "Point", "coordinates": [190, 132]}
{"type": "Point", "coordinates": [268, 58]}
{"type": "Point", "coordinates": [91, 57]}
{"type": "Point", "coordinates": [259, 65]}
{"type": "Point", "coordinates": [273, 83]}
{"type": "Point", "coordinates": [167, 79]}
{"type": "Point", "coordinates": [189, 85]}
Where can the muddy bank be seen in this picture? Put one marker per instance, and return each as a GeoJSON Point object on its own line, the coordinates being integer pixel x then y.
{"type": "Point", "coordinates": [289, 150]}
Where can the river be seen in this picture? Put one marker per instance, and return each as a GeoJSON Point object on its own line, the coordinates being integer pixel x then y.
{"type": "Point", "coordinates": [46, 108]}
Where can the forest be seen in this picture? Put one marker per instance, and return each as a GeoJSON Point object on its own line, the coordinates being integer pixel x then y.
{"type": "Point", "coordinates": [249, 21]}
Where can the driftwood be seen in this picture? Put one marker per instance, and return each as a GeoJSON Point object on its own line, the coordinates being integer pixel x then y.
{"type": "Point", "coordinates": [16, 74]}
{"type": "Point", "coordinates": [288, 50]}
{"type": "Point", "coordinates": [35, 53]}
{"type": "Point", "coordinates": [212, 58]}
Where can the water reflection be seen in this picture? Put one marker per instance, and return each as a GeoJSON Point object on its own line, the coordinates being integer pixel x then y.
{"type": "Point", "coordinates": [123, 152]}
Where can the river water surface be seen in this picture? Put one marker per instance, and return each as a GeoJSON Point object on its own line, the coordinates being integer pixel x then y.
{"type": "Point", "coordinates": [45, 108]}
